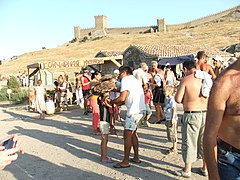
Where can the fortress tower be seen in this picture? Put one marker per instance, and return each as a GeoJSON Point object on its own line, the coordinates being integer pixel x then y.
{"type": "Point", "coordinates": [77, 32]}
{"type": "Point", "coordinates": [100, 22]}
{"type": "Point", "coordinates": [161, 25]}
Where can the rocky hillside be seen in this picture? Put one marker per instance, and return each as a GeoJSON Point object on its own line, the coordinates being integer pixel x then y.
{"type": "Point", "coordinates": [217, 34]}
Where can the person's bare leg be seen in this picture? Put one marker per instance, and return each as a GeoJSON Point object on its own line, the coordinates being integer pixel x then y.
{"type": "Point", "coordinates": [127, 146]}
{"type": "Point", "coordinates": [104, 147]}
{"type": "Point", "coordinates": [204, 167]}
{"type": "Point", "coordinates": [188, 167]}
{"type": "Point", "coordinates": [161, 113]}
{"type": "Point", "coordinates": [135, 144]}
{"type": "Point", "coordinates": [157, 108]}
{"type": "Point", "coordinates": [85, 105]}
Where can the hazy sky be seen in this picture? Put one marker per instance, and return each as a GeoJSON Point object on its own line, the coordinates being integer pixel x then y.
{"type": "Point", "coordinates": [29, 25]}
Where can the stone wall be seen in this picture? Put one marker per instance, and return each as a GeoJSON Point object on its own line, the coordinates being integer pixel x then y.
{"type": "Point", "coordinates": [101, 24]}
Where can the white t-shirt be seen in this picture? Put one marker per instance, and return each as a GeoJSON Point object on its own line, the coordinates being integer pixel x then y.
{"type": "Point", "coordinates": [140, 75]}
{"type": "Point", "coordinates": [135, 98]}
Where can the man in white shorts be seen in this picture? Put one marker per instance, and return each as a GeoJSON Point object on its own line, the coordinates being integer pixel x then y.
{"type": "Point", "coordinates": [131, 94]}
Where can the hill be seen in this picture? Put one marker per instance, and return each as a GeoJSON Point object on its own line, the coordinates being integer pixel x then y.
{"type": "Point", "coordinates": [218, 34]}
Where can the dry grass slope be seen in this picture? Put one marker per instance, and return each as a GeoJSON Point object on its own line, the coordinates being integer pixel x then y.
{"type": "Point", "coordinates": [217, 35]}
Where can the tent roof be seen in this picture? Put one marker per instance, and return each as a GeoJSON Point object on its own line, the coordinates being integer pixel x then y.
{"type": "Point", "coordinates": [35, 65]}
{"type": "Point", "coordinates": [175, 60]}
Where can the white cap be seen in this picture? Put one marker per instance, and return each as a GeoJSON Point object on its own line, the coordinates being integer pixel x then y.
{"type": "Point", "coordinates": [167, 64]}
{"type": "Point", "coordinates": [116, 71]}
{"type": "Point", "coordinates": [218, 58]}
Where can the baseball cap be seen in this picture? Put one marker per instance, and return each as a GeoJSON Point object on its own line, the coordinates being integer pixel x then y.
{"type": "Point", "coordinates": [116, 71]}
{"type": "Point", "coordinates": [218, 58]}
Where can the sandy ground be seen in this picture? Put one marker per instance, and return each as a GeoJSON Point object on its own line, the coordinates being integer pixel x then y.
{"type": "Point", "coordinates": [62, 147]}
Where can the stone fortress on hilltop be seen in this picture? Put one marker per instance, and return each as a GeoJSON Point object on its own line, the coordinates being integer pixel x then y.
{"type": "Point", "coordinates": [101, 28]}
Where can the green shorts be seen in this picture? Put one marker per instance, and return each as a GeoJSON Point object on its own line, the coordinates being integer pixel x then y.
{"type": "Point", "coordinates": [193, 124]}
{"type": "Point", "coordinates": [172, 131]}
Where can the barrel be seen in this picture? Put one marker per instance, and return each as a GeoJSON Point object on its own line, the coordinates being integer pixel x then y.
{"type": "Point", "coordinates": [50, 107]}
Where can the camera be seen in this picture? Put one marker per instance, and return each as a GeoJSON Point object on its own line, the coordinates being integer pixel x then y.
{"type": "Point", "coordinates": [9, 143]}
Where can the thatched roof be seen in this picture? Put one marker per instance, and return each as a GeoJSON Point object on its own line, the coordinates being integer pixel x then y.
{"type": "Point", "coordinates": [161, 51]}
{"type": "Point", "coordinates": [108, 53]}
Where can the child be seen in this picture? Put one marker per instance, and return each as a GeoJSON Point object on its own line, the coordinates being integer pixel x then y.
{"type": "Point", "coordinates": [171, 118]}
{"type": "Point", "coordinates": [105, 123]}
{"type": "Point", "coordinates": [148, 98]}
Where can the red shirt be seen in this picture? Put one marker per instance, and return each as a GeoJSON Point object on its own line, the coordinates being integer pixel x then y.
{"type": "Point", "coordinates": [147, 97]}
{"type": "Point", "coordinates": [85, 80]}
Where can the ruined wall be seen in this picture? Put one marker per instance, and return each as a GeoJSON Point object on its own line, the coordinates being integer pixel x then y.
{"type": "Point", "coordinates": [77, 32]}
{"type": "Point", "coordinates": [161, 25]}
{"type": "Point", "coordinates": [129, 30]}
{"type": "Point", "coordinates": [200, 21]}
{"type": "Point", "coordinates": [101, 24]}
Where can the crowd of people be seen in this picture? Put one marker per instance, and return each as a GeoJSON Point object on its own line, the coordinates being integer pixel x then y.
{"type": "Point", "coordinates": [208, 122]}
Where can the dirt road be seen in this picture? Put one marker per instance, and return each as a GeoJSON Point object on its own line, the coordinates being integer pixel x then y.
{"type": "Point", "coordinates": [63, 147]}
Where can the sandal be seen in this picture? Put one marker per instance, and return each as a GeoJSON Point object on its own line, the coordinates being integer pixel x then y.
{"type": "Point", "coordinates": [109, 160]}
{"type": "Point", "coordinates": [119, 165]}
{"type": "Point", "coordinates": [134, 161]}
{"type": "Point", "coordinates": [203, 172]}
{"type": "Point", "coordinates": [182, 173]}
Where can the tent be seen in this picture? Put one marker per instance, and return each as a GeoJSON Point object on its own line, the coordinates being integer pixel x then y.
{"type": "Point", "coordinates": [175, 60]}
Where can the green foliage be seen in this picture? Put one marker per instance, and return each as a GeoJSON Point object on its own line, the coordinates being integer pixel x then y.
{"type": "Point", "coordinates": [3, 94]}
{"type": "Point", "coordinates": [13, 84]}
{"type": "Point", "coordinates": [85, 39]}
{"type": "Point", "coordinates": [19, 96]}
{"type": "Point", "coordinates": [73, 40]}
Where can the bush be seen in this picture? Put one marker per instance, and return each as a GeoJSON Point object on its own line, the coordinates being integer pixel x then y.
{"type": "Point", "coordinates": [13, 84]}
{"type": "Point", "coordinates": [73, 40]}
{"type": "Point", "coordinates": [19, 96]}
{"type": "Point", "coordinates": [3, 94]}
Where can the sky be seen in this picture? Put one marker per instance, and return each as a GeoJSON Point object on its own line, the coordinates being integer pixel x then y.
{"type": "Point", "coordinates": [29, 25]}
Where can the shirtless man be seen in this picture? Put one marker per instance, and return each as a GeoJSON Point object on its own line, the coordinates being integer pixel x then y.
{"type": "Point", "coordinates": [202, 65]}
{"type": "Point", "coordinates": [193, 121]}
{"type": "Point", "coordinates": [223, 126]}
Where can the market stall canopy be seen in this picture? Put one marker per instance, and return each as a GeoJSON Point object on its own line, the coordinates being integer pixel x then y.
{"type": "Point", "coordinates": [175, 60]}
{"type": "Point", "coordinates": [35, 65]}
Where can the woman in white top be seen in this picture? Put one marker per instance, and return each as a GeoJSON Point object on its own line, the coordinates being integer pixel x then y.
{"type": "Point", "coordinates": [39, 92]}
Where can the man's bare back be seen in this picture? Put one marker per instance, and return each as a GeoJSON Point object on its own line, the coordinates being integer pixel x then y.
{"type": "Point", "coordinates": [207, 68]}
{"type": "Point", "coordinates": [192, 100]}
{"type": "Point", "coordinates": [229, 90]}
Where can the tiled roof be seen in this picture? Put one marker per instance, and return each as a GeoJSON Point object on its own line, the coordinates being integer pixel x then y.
{"type": "Point", "coordinates": [161, 51]}
{"type": "Point", "coordinates": [108, 53]}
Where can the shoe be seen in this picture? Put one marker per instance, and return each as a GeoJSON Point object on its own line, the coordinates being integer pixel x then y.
{"type": "Point", "coordinates": [182, 173]}
{"type": "Point", "coordinates": [85, 113]}
{"type": "Point", "coordinates": [148, 124]}
{"type": "Point", "coordinates": [172, 151]}
{"type": "Point", "coordinates": [203, 172]}
{"type": "Point", "coordinates": [134, 161]}
{"type": "Point", "coordinates": [109, 160]}
{"type": "Point", "coordinates": [118, 165]}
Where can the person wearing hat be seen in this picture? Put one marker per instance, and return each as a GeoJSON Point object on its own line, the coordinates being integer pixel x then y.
{"type": "Point", "coordinates": [217, 62]}
{"type": "Point", "coordinates": [169, 75]}
{"type": "Point", "coordinates": [202, 65]}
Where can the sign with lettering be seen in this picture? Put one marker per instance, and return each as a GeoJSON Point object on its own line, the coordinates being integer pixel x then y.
{"type": "Point", "coordinates": [71, 64]}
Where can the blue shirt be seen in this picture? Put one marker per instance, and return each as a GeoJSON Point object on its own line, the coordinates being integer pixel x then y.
{"type": "Point", "coordinates": [170, 104]}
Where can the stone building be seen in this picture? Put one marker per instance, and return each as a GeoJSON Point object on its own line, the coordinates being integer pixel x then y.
{"type": "Point", "coordinates": [109, 66]}
{"type": "Point", "coordinates": [135, 54]}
